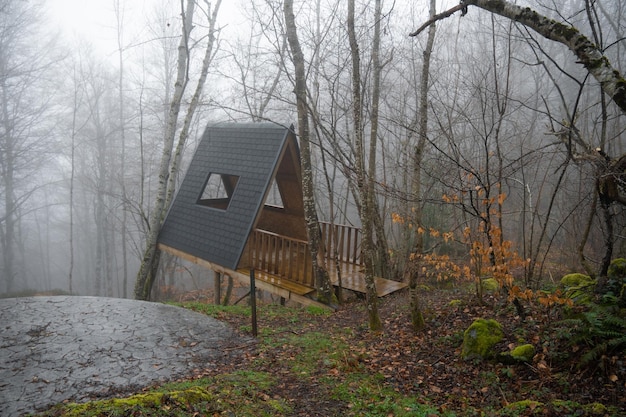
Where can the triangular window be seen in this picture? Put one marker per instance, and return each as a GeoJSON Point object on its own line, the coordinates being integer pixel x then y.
{"type": "Point", "coordinates": [218, 190]}
{"type": "Point", "coordinates": [274, 198]}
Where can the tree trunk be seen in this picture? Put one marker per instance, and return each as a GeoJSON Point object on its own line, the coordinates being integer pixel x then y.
{"type": "Point", "coordinates": [364, 182]}
{"type": "Point", "coordinates": [417, 318]}
{"type": "Point", "coordinates": [229, 291]}
{"type": "Point", "coordinates": [122, 121]}
{"type": "Point", "coordinates": [381, 249]}
{"type": "Point", "coordinates": [322, 279]}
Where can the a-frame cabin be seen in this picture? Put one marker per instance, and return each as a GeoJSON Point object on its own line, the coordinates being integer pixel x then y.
{"type": "Point", "coordinates": [240, 207]}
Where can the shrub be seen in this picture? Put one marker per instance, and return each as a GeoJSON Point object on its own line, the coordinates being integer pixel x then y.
{"type": "Point", "coordinates": [600, 328]}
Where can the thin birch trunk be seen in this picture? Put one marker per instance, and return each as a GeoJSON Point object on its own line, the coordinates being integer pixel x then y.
{"type": "Point", "coordinates": [364, 181]}
{"type": "Point", "coordinates": [380, 248]}
{"type": "Point", "coordinates": [151, 257]}
{"type": "Point", "coordinates": [417, 318]}
{"type": "Point", "coordinates": [124, 232]}
{"type": "Point", "coordinates": [184, 132]}
{"type": "Point", "coordinates": [322, 279]}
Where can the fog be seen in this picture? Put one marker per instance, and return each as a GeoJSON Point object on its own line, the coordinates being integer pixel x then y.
{"type": "Point", "coordinates": [86, 87]}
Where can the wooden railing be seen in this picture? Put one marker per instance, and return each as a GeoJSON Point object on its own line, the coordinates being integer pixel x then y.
{"type": "Point", "coordinates": [281, 256]}
{"type": "Point", "coordinates": [291, 259]}
{"type": "Point", "coordinates": [344, 239]}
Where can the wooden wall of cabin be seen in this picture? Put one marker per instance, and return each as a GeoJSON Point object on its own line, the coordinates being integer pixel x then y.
{"type": "Point", "coordinates": [282, 222]}
{"type": "Point", "coordinates": [288, 220]}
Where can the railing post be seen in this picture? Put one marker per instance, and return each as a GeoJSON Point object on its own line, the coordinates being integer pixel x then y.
{"type": "Point", "coordinates": [217, 288]}
{"type": "Point", "coordinates": [253, 302]}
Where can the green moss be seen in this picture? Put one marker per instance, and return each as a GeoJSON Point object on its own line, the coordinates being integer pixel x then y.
{"type": "Point", "coordinates": [565, 31]}
{"type": "Point", "coordinates": [192, 395]}
{"type": "Point", "coordinates": [480, 338]}
{"type": "Point", "coordinates": [455, 303]}
{"type": "Point", "coordinates": [523, 353]}
{"type": "Point", "coordinates": [576, 280]}
{"type": "Point", "coordinates": [490, 285]}
{"type": "Point", "coordinates": [617, 269]}
{"type": "Point", "coordinates": [556, 407]}
{"type": "Point", "coordinates": [523, 406]}
{"type": "Point", "coordinates": [140, 403]}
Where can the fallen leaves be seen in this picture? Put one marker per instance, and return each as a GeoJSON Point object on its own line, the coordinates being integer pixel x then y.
{"type": "Point", "coordinates": [425, 365]}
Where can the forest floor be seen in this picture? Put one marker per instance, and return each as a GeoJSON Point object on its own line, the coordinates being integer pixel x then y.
{"type": "Point", "coordinates": [314, 363]}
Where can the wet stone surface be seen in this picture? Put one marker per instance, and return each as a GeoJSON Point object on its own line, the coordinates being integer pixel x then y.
{"type": "Point", "coordinates": [54, 349]}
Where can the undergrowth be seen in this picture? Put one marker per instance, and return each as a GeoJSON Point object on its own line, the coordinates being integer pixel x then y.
{"type": "Point", "coordinates": [308, 358]}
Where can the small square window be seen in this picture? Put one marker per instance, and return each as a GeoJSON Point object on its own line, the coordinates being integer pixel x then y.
{"type": "Point", "coordinates": [218, 190]}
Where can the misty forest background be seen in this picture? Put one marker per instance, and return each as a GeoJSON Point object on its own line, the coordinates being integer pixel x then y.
{"type": "Point", "coordinates": [517, 131]}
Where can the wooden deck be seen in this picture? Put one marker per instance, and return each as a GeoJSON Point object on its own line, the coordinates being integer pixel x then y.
{"type": "Point", "coordinates": [353, 278]}
{"type": "Point", "coordinates": [287, 290]}
{"type": "Point", "coordinates": [283, 266]}
{"type": "Point", "coordinates": [286, 262]}
{"type": "Point", "coordinates": [291, 286]}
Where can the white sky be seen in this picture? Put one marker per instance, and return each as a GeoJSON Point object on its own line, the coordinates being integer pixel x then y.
{"type": "Point", "coordinates": [94, 20]}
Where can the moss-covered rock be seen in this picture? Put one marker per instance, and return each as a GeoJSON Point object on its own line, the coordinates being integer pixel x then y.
{"type": "Point", "coordinates": [139, 404]}
{"type": "Point", "coordinates": [579, 287]}
{"type": "Point", "coordinates": [455, 303]}
{"type": "Point", "coordinates": [490, 285]}
{"type": "Point", "coordinates": [523, 353]}
{"type": "Point", "coordinates": [617, 268]}
{"type": "Point", "coordinates": [480, 338]}
{"type": "Point", "coordinates": [576, 280]}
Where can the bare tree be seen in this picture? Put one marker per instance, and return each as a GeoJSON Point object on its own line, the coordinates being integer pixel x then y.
{"type": "Point", "coordinates": [417, 318]}
{"type": "Point", "coordinates": [610, 170]}
{"type": "Point", "coordinates": [24, 101]}
{"type": "Point", "coordinates": [172, 152]}
{"type": "Point", "coordinates": [365, 175]}
{"type": "Point", "coordinates": [611, 80]}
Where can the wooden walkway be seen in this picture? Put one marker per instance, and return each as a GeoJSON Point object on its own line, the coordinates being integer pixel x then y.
{"type": "Point", "coordinates": [286, 262]}
{"type": "Point", "coordinates": [354, 281]}
{"type": "Point", "coordinates": [283, 266]}
{"type": "Point", "coordinates": [353, 278]}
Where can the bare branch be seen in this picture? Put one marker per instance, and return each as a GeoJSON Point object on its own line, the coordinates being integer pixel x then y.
{"type": "Point", "coordinates": [588, 54]}
{"type": "Point", "coordinates": [438, 17]}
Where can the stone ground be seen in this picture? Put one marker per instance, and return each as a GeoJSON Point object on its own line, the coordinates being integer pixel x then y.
{"type": "Point", "coordinates": [61, 348]}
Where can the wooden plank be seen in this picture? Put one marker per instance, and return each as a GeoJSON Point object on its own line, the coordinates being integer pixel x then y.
{"type": "Point", "coordinates": [285, 284]}
{"type": "Point", "coordinates": [199, 261]}
{"type": "Point", "coordinates": [353, 278]}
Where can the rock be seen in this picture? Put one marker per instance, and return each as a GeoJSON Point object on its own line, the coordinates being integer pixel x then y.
{"type": "Point", "coordinates": [617, 268]}
{"type": "Point", "coordinates": [579, 287]}
{"type": "Point", "coordinates": [455, 303]}
{"type": "Point", "coordinates": [576, 280]}
{"type": "Point", "coordinates": [523, 353]}
{"type": "Point", "coordinates": [480, 338]}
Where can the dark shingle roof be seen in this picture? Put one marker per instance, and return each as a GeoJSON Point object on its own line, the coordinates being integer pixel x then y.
{"type": "Point", "coordinates": [249, 151]}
